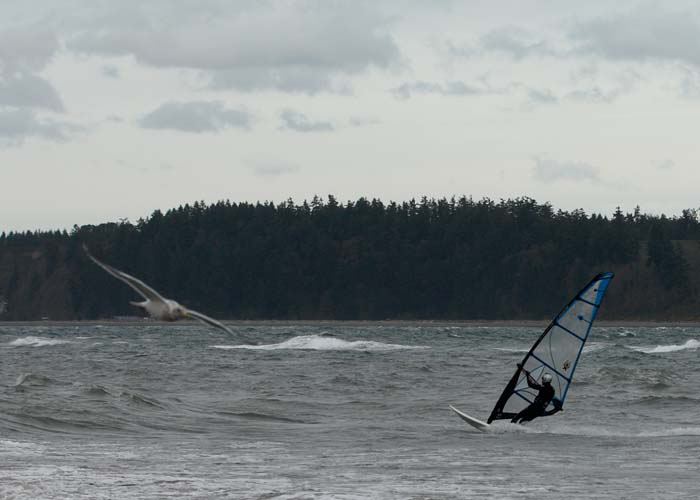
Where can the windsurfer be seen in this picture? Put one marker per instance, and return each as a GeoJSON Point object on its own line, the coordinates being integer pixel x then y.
{"type": "Point", "coordinates": [545, 395]}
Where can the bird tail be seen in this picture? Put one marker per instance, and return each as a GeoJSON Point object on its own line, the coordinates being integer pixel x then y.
{"type": "Point", "coordinates": [142, 305]}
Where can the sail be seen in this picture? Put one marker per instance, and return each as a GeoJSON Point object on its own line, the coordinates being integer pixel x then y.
{"type": "Point", "coordinates": [556, 352]}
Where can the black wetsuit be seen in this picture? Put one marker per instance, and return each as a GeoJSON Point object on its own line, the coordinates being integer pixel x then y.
{"type": "Point", "coordinates": [539, 405]}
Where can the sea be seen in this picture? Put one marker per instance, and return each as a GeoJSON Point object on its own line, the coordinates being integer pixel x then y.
{"type": "Point", "coordinates": [338, 411]}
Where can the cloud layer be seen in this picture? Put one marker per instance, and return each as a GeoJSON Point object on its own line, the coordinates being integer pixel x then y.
{"type": "Point", "coordinates": [452, 88]}
{"type": "Point", "coordinates": [294, 120]}
{"type": "Point", "coordinates": [647, 32]}
{"type": "Point", "coordinates": [393, 99]}
{"type": "Point", "coordinates": [28, 90]}
{"type": "Point", "coordinates": [196, 116]}
{"type": "Point", "coordinates": [20, 124]}
{"type": "Point", "coordinates": [549, 170]}
{"type": "Point", "coordinates": [295, 47]}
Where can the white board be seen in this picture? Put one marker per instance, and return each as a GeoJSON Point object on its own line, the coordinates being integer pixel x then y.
{"type": "Point", "coordinates": [474, 422]}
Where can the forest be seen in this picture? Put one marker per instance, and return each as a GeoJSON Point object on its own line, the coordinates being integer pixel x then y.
{"type": "Point", "coordinates": [446, 259]}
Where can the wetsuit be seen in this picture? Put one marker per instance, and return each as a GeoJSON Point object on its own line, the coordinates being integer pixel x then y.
{"type": "Point", "coordinates": [538, 407]}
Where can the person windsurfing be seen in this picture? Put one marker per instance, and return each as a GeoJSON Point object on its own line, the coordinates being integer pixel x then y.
{"type": "Point", "coordinates": [545, 395]}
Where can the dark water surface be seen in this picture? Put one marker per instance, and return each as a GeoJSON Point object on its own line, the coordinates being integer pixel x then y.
{"type": "Point", "coordinates": [343, 411]}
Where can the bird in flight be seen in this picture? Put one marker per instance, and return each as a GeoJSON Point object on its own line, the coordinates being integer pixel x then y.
{"type": "Point", "coordinates": [155, 304]}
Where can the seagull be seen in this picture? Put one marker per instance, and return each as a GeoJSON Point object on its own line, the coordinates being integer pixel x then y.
{"type": "Point", "coordinates": [155, 304]}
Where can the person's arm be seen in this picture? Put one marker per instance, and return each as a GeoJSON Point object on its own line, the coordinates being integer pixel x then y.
{"type": "Point", "coordinates": [557, 407]}
{"type": "Point", "coordinates": [530, 381]}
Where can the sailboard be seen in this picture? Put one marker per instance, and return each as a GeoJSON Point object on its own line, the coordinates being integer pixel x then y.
{"type": "Point", "coordinates": [557, 352]}
{"type": "Point", "coordinates": [474, 422]}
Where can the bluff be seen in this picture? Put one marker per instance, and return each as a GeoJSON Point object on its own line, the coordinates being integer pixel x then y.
{"type": "Point", "coordinates": [365, 259]}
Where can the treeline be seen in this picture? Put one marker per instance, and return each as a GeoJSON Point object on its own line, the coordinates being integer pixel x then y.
{"type": "Point", "coordinates": [364, 259]}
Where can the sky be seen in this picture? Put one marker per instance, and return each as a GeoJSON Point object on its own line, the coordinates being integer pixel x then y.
{"type": "Point", "coordinates": [110, 110]}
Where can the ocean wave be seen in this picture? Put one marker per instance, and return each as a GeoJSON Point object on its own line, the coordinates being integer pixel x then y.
{"type": "Point", "coordinates": [625, 333]}
{"type": "Point", "coordinates": [260, 417]}
{"type": "Point", "coordinates": [32, 379]}
{"type": "Point", "coordinates": [664, 401]}
{"type": "Point", "coordinates": [130, 397]}
{"type": "Point", "coordinates": [592, 347]}
{"type": "Point", "coordinates": [30, 420]}
{"type": "Point", "coordinates": [509, 349]}
{"type": "Point", "coordinates": [651, 378]}
{"type": "Point", "coordinates": [141, 400]}
{"type": "Point", "coordinates": [590, 431]}
{"type": "Point", "coordinates": [660, 349]}
{"type": "Point", "coordinates": [21, 448]}
{"type": "Point", "coordinates": [323, 343]}
{"type": "Point", "coordinates": [504, 427]}
{"type": "Point", "coordinates": [96, 390]}
{"type": "Point", "coordinates": [32, 341]}
{"type": "Point", "coordinates": [595, 347]}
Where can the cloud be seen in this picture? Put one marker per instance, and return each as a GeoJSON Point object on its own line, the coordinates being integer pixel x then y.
{"type": "Point", "coordinates": [23, 52]}
{"type": "Point", "coordinates": [595, 95]}
{"type": "Point", "coordinates": [548, 170]}
{"type": "Point", "coordinates": [289, 46]}
{"type": "Point", "coordinates": [110, 71]}
{"type": "Point", "coordinates": [361, 121]}
{"type": "Point", "coordinates": [27, 90]}
{"type": "Point", "coordinates": [291, 79]}
{"type": "Point", "coordinates": [651, 31]}
{"type": "Point", "coordinates": [294, 120]}
{"type": "Point", "coordinates": [648, 32]}
{"type": "Point", "coordinates": [18, 125]}
{"type": "Point", "coordinates": [453, 88]}
{"type": "Point", "coordinates": [689, 85]}
{"type": "Point", "coordinates": [665, 165]}
{"type": "Point", "coordinates": [273, 169]}
{"type": "Point", "coordinates": [542, 96]}
{"type": "Point", "coordinates": [196, 116]}
{"type": "Point", "coordinates": [515, 42]}
{"type": "Point", "coordinates": [30, 47]}
{"type": "Point", "coordinates": [512, 41]}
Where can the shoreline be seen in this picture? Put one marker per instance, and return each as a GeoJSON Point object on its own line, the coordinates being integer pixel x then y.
{"type": "Point", "coordinates": [425, 323]}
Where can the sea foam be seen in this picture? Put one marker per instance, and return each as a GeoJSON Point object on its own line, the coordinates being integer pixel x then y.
{"type": "Point", "coordinates": [659, 349]}
{"type": "Point", "coordinates": [32, 341]}
{"type": "Point", "coordinates": [595, 347]}
{"type": "Point", "coordinates": [323, 343]}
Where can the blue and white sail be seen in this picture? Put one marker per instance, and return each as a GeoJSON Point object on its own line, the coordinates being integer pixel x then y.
{"type": "Point", "coordinates": [557, 352]}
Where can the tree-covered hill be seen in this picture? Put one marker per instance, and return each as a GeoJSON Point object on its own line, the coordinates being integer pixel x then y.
{"type": "Point", "coordinates": [427, 259]}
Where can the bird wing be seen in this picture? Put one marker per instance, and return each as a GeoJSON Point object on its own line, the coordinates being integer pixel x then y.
{"type": "Point", "coordinates": [206, 319]}
{"type": "Point", "coordinates": [139, 286]}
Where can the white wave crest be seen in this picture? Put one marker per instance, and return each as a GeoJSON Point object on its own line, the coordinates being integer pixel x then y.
{"type": "Point", "coordinates": [625, 333]}
{"type": "Point", "coordinates": [592, 347]}
{"type": "Point", "coordinates": [322, 343]}
{"type": "Point", "coordinates": [31, 341]}
{"type": "Point", "coordinates": [20, 448]}
{"type": "Point", "coordinates": [505, 427]}
{"type": "Point", "coordinates": [591, 431]}
{"type": "Point", "coordinates": [507, 349]}
{"type": "Point", "coordinates": [659, 349]}
{"type": "Point", "coordinates": [595, 346]}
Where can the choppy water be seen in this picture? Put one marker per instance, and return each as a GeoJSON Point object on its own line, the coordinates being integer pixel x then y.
{"type": "Point", "coordinates": [339, 411]}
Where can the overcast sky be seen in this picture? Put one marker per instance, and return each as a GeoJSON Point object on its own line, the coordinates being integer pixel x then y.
{"type": "Point", "coordinates": [111, 109]}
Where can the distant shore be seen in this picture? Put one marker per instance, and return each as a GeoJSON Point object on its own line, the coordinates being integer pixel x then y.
{"type": "Point", "coordinates": [425, 323]}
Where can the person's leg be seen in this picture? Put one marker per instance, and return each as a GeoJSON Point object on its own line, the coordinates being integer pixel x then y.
{"type": "Point", "coordinates": [531, 414]}
{"type": "Point", "coordinates": [526, 415]}
{"type": "Point", "coordinates": [521, 416]}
